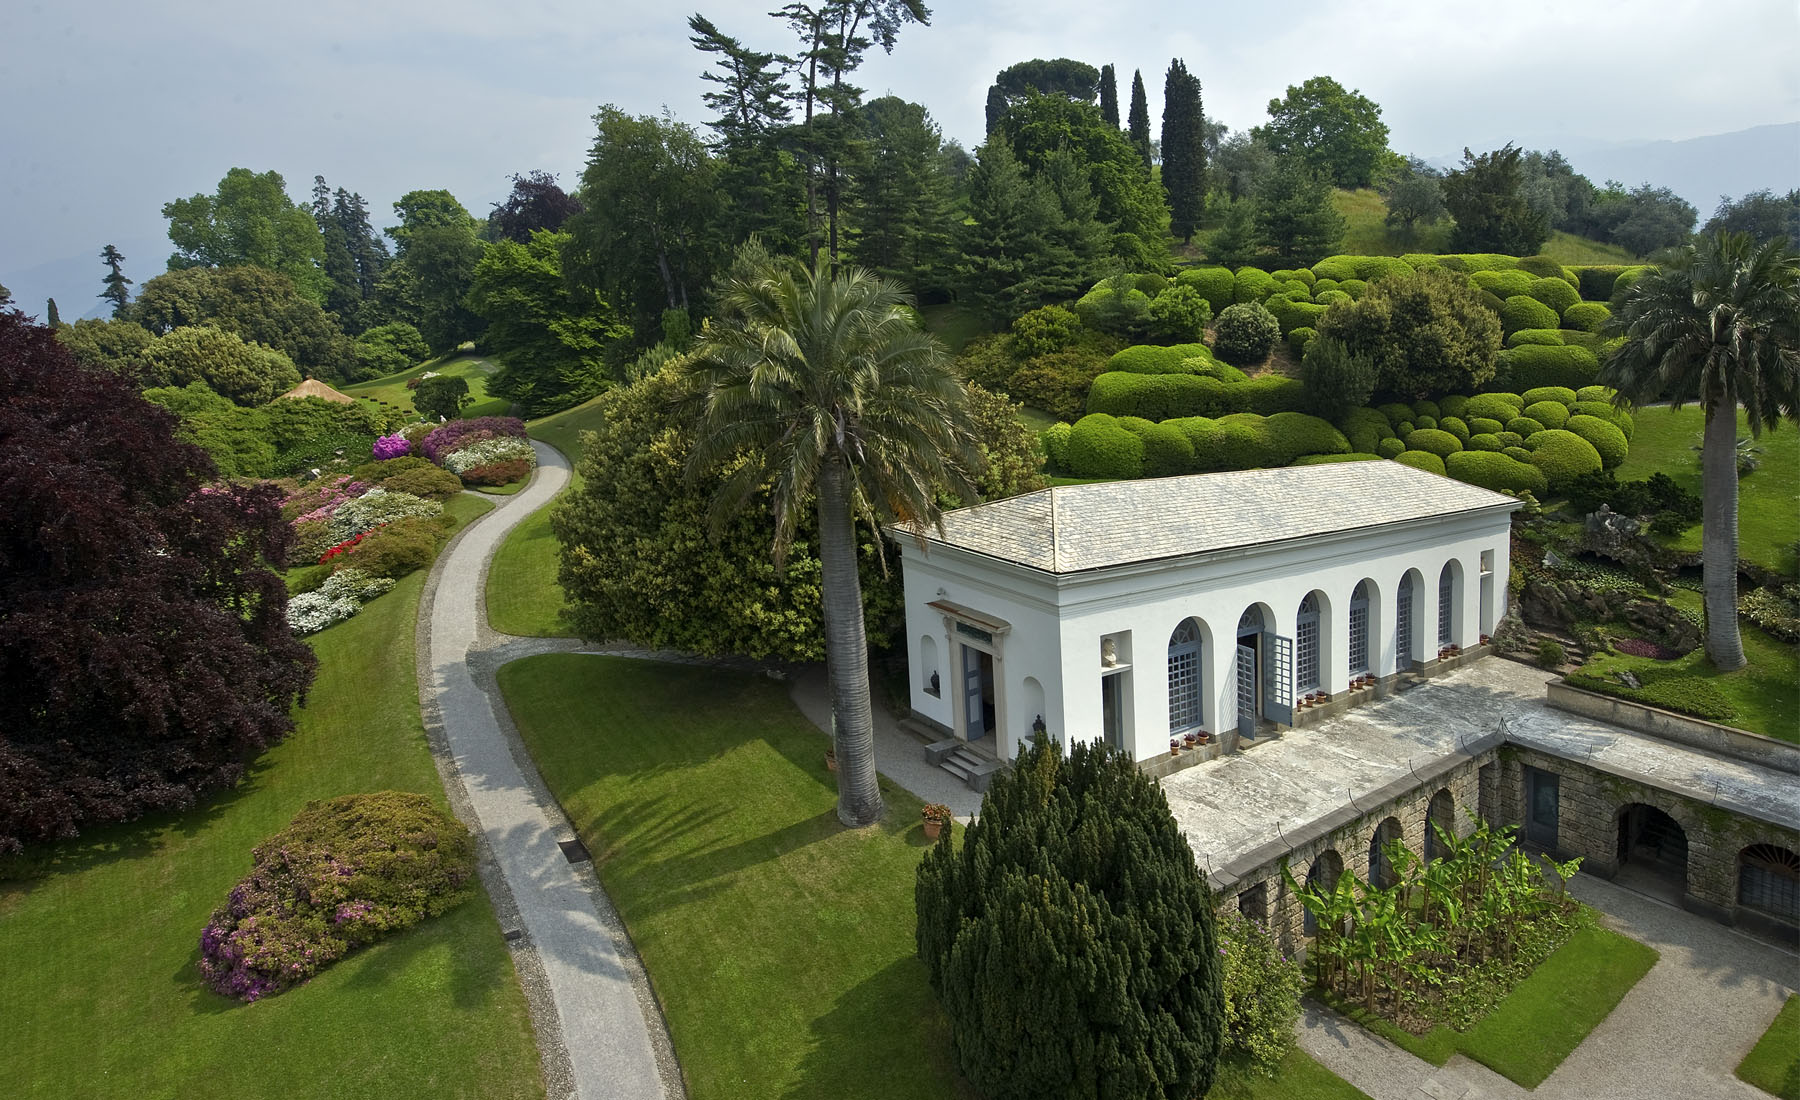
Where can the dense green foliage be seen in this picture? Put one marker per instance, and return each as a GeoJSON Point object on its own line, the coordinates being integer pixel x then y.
{"type": "Point", "coordinates": [260, 305]}
{"type": "Point", "coordinates": [248, 374]}
{"type": "Point", "coordinates": [249, 221]}
{"type": "Point", "coordinates": [1071, 938]}
{"type": "Point", "coordinates": [1426, 333]}
{"type": "Point", "coordinates": [1337, 134]}
{"type": "Point", "coordinates": [1244, 333]}
{"type": "Point", "coordinates": [551, 341]}
{"type": "Point", "coordinates": [1183, 150]}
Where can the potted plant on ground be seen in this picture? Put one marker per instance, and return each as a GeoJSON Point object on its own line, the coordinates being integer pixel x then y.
{"type": "Point", "coordinates": [936, 816]}
{"type": "Point", "coordinates": [1174, 746]}
{"type": "Point", "coordinates": [1203, 737]}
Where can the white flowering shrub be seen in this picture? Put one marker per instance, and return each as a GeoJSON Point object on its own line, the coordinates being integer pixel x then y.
{"type": "Point", "coordinates": [376, 507]}
{"type": "Point", "coordinates": [341, 596]}
{"type": "Point", "coordinates": [487, 452]}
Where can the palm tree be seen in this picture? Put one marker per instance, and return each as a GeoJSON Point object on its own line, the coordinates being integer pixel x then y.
{"type": "Point", "coordinates": [821, 388]}
{"type": "Point", "coordinates": [1716, 323]}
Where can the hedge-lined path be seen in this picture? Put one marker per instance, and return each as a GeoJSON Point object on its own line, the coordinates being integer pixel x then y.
{"type": "Point", "coordinates": [1679, 1032]}
{"type": "Point", "coordinates": [599, 1030]}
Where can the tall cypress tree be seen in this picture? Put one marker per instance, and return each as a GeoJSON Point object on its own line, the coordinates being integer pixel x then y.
{"type": "Point", "coordinates": [115, 280]}
{"type": "Point", "coordinates": [1140, 117]}
{"type": "Point", "coordinates": [1183, 150]}
{"type": "Point", "coordinates": [1109, 95]}
{"type": "Point", "coordinates": [51, 317]}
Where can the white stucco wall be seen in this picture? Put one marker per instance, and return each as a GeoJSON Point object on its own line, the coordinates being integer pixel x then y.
{"type": "Point", "coordinates": [1057, 621]}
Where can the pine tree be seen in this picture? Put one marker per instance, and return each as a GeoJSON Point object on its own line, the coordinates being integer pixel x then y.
{"type": "Point", "coordinates": [115, 281]}
{"type": "Point", "coordinates": [1183, 150]}
{"type": "Point", "coordinates": [1012, 259]}
{"type": "Point", "coordinates": [1140, 117]}
{"type": "Point", "coordinates": [1294, 214]}
{"type": "Point", "coordinates": [51, 317]}
{"type": "Point", "coordinates": [1109, 95]}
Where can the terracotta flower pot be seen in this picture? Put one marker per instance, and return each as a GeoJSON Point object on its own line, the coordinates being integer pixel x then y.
{"type": "Point", "coordinates": [933, 829]}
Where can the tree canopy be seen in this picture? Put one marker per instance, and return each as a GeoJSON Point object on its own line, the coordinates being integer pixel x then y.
{"type": "Point", "coordinates": [1424, 333]}
{"type": "Point", "coordinates": [1183, 150]}
{"type": "Point", "coordinates": [143, 638]}
{"type": "Point", "coordinates": [535, 202]}
{"type": "Point", "coordinates": [1764, 215]}
{"type": "Point", "coordinates": [1063, 76]}
{"type": "Point", "coordinates": [1485, 198]}
{"type": "Point", "coordinates": [249, 220]}
{"type": "Point", "coordinates": [245, 373]}
{"type": "Point", "coordinates": [259, 305]}
{"type": "Point", "coordinates": [1337, 133]}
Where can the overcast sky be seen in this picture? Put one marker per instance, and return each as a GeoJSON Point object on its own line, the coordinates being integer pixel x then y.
{"type": "Point", "coordinates": [113, 108]}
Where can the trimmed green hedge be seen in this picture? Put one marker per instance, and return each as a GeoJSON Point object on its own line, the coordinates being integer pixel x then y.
{"type": "Point", "coordinates": [1533, 365]}
{"type": "Point", "coordinates": [1320, 460]}
{"type": "Point", "coordinates": [1299, 338]}
{"type": "Point", "coordinates": [1563, 456]}
{"type": "Point", "coordinates": [1520, 311]}
{"type": "Point", "coordinates": [1496, 471]}
{"type": "Point", "coordinates": [1604, 435]}
{"type": "Point", "coordinates": [1454, 404]}
{"type": "Point", "coordinates": [1562, 395]}
{"type": "Point", "coordinates": [1510, 439]}
{"type": "Point", "coordinates": [1158, 359]}
{"type": "Point", "coordinates": [1100, 447]}
{"type": "Point", "coordinates": [1545, 267]}
{"type": "Point", "coordinates": [1479, 425]}
{"type": "Point", "coordinates": [1167, 450]}
{"type": "Point", "coordinates": [1504, 284]}
{"type": "Point", "coordinates": [1595, 393]}
{"type": "Point", "coordinates": [1215, 284]}
{"type": "Point", "coordinates": [1586, 316]}
{"type": "Point", "coordinates": [1551, 414]}
{"type": "Point", "coordinates": [1161, 397]}
{"type": "Point", "coordinates": [1623, 282]}
{"type": "Point", "coordinates": [1354, 287]}
{"type": "Point", "coordinates": [1055, 439]}
{"type": "Point", "coordinates": [1291, 313]}
{"type": "Point", "coordinates": [1431, 439]}
{"type": "Point", "coordinates": [1421, 460]}
{"type": "Point", "coordinates": [1608, 412]}
{"type": "Point", "coordinates": [1549, 337]}
{"type": "Point", "coordinates": [1494, 406]}
{"type": "Point", "coordinates": [1425, 422]}
{"type": "Point", "coordinates": [1391, 447]}
{"type": "Point", "coordinates": [1484, 441]}
{"type": "Point", "coordinates": [1516, 452]}
{"type": "Point", "coordinates": [1555, 293]}
{"type": "Point", "coordinates": [1524, 426]}
{"type": "Point", "coordinates": [1455, 426]}
{"type": "Point", "coordinates": [1251, 284]}
{"type": "Point", "coordinates": [1364, 428]}
{"type": "Point", "coordinates": [1595, 281]}
{"type": "Point", "coordinates": [1423, 409]}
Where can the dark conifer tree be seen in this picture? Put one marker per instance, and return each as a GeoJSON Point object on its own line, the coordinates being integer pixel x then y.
{"type": "Point", "coordinates": [1140, 117]}
{"type": "Point", "coordinates": [51, 317]}
{"type": "Point", "coordinates": [759, 176]}
{"type": "Point", "coordinates": [115, 280]}
{"type": "Point", "coordinates": [1183, 150]}
{"type": "Point", "coordinates": [1013, 256]}
{"type": "Point", "coordinates": [1109, 94]}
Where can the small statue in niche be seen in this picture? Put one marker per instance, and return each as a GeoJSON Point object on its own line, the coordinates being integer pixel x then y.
{"type": "Point", "coordinates": [1109, 653]}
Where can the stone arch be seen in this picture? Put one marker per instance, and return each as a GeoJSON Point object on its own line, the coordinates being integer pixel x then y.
{"type": "Point", "coordinates": [1652, 850]}
{"type": "Point", "coordinates": [1315, 655]}
{"type": "Point", "coordinates": [1382, 873]}
{"type": "Point", "coordinates": [1362, 629]}
{"type": "Point", "coordinates": [1409, 628]}
{"type": "Point", "coordinates": [1449, 604]}
{"type": "Point", "coordinates": [1769, 882]}
{"type": "Point", "coordinates": [1190, 645]}
{"type": "Point", "coordinates": [1321, 876]}
{"type": "Point", "coordinates": [1032, 712]}
{"type": "Point", "coordinates": [1441, 813]}
{"type": "Point", "coordinates": [930, 678]}
{"type": "Point", "coordinates": [1253, 903]}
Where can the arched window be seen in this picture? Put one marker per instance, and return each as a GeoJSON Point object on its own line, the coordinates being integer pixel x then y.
{"type": "Point", "coordinates": [1381, 868]}
{"type": "Point", "coordinates": [1359, 630]}
{"type": "Point", "coordinates": [1446, 594]}
{"type": "Point", "coordinates": [1184, 679]}
{"type": "Point", "coordinates": [1306, 645]}
{"type": "Point", "coordinates": [1403, 624]}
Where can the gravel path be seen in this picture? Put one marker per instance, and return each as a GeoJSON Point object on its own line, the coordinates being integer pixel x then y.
{"type": "Point", "coordinates": [598, 1028]}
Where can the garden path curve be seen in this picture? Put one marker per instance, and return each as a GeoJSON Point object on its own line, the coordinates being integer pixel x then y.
{"type": "Point", "coordinates": [598, 1028]}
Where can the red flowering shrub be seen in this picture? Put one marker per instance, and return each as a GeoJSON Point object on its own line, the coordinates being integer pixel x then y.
{"type": "Point", "coordinates": [347, 545]}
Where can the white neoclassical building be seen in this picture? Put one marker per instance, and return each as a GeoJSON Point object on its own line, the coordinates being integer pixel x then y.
{"type": "Point", "coordinates": [1137, 611]}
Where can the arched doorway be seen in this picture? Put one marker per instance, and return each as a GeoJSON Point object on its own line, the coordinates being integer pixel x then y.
{"type": "Point", "coordinates": [1306, 645]}
{"type": "Point", "coordinates": [1360, 661]}
{"type": "Point", "coordinates": [1769, 882]}
{"type": "Point", "coordinates": [1264, 680]}
{"type": "Point", "coordinates": [1321, 877]}
{"type": "Point", "coordinates": [1403, 621]}
{"type": "Point", "coordinates": [1249, 669]}
{"type": "Point", "coordinates": [1652, 852]}
{"type": "Point", "coordinates": [1440, 814]}
{"type": "Point", "coordinates": [1186, 682]}
{"type": "Point", "coordinates": [1449, 622]}
{"type": "Point", "coordinates": [1382, 873]}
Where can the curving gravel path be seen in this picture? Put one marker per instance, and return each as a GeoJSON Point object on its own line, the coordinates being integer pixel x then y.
{"type": "Point", "coordinates": [598, 1027]}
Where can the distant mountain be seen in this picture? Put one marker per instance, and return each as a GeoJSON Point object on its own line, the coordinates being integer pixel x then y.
{"type": "Point", "coordinates": [1699, 169]}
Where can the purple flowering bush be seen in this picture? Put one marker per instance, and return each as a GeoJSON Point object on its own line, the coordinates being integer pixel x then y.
{"type": "Point", "coordinates": [458, 434]}
{"type": "Point", "coordinates": [346, 872]}
{"type": "Point", "coordinates": [391, 446]}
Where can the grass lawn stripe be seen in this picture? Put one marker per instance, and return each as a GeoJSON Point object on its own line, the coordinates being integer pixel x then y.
{"type": "Point", "coordinates": [1773, 1065]}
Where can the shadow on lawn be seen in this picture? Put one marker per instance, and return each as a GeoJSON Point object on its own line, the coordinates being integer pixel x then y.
{"type": "Point", "coordinates": [884, 1037]}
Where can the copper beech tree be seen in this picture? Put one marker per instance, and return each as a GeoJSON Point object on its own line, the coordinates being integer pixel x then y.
{"type": "Point", "coordinates": [145, 656]}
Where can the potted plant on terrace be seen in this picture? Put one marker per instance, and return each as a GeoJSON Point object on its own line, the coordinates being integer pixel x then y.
{"type": "Point", "coordinates": [936, 816]}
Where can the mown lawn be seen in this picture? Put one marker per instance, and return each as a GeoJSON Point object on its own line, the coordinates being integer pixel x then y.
{"type": "Point", "coordinates": [1546, 1016]}
{"type": "Point", "coordinates": [1773, 1065]}
{"type": "Point", "coordinates": [100, 985]}
{"type": "Point", "coordinates": [1768, 498]}
{"type": "Point", "coordinates": [1366, 232]}
{"type": "Point", "coordinates": [1298, 1077]}
{"type": "Point", "coordinates": [1572, 251]}
{"type": "Point", "coordinates": [392, 389]}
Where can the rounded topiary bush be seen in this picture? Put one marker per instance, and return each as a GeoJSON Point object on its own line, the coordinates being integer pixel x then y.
{"type": "Point", "coordinates": [1496, 471]}
{"type": "Point", "coordinates": [1504, 284]}
{"type": "Point", "coordinates": [1432, 440]}
{"type": "Point", "coordinates": [1455, 427]}
{"type": "Point", "coordinates": [1241, 441]}
{"type": "Point", "coordinates": [1215, 284]}
{"type": "Point", "coordinates": [1251, 284]}
{"type": "Point", "coordinates": [1555, 293]}
{"type": "Point", "coordinates": [1454, 404]}
{"type": "Point", "coordinates": [1422, 409]}
{"type": "Point", "coordinates": [1330, 297]}
{"type": "Point", "coordinates": [1623, 282]}
{"type": "Point", "coordinates": [346, 872]}
{"type": "Point", "coordinates": [1293, 434]}
{"type": "Point", "coordinates": [1563, 456]}
{"type": "Point", "coordinates": [1320, 286]}
{"type": "Point", "coordinates": [1056, 444]}
{"type": "Point", "coordinates": [1494, 406]}
{"type": "Point", "coordinates": [1514, 451]}
{"type": "Point", "coordinates": [1244, 334]}
{"type": "Point", "coordinates": [1335, 268]}
{"type": "Point", "coordinates": [1604, 435]}
{"type": "Point", "coordinates": [1510, 439]}
{"type": "Point", "coordinates": [1100, 447]}
{"type": "Point", "coordinates": [1373, 268]}
{"type": "Point", "coordinates": [1320, 460]}
{"type": "Point", "coordinates": [1524, 426]}
{"type": "Point", "coordinates": [1421, 460]}
{"type": "Point", "coordinates": [1547, 267]}
{"type": "Point", "coordinates": [1396, 413]}
{"type": "Point", "coordinates": [1267, 395]}
{"type": "Point", "coordinates": [1549, 337]}
{"type": "Point", "coordinates": [1595, 393]}
{"type": "Point", "coordinates": [1167, 450]}
{"type": "Point", "coordinates": [1562, 395]}
{"type": "Point", "coordinates": [1299, 338]}
{"type": "Point", "coordinates": [1363, 428]}
{"type": "Point", "coordinates": [1045, 330]}
{"type": "Point", "coordinates": [1595, 281]}
{"type": "Point", "coordinates": [1522, 311]}
{"type": "Point", "coordinates": [1353, 287]}
{"type": "Point", "coordinates": [1483, 441]}
{"type": "Point", "coordinates": [1532, 365]}
{"type": "Point", "coordinates": [1290, 314]}
{"type": "Point", "coordinates": [1608, 412]}
{"type": "Point", "coordinates": [1551, 414]}
{"type": "Point", "coordinates": [1479, 425]}
{"type": "Point", "coordinates": [1425, 421]}
{"type": "Point", "coordinates": [1391, 447]}
{"type": "Point", "coordinates": [1161, 359]}
{"type": "Point", "coordinates": [1405, 428]}
{"type": "Point", "coordinates": [1586, 316]}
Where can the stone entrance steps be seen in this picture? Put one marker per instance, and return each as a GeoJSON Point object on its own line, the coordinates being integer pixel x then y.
{"type": "Point", "coordinates": [969, 764]}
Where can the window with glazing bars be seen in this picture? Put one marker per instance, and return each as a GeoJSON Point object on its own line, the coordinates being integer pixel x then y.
{"type": "Point", "coordinates": [1306, 645]}
{"type": "Point", "coordinates": [1359, 629]}
{"type": "Point", "coordinates": [1184, 678]}
{"type": "Point", "coordinates": [1446, 588]}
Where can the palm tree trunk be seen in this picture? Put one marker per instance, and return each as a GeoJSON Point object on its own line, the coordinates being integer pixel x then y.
{"type": "Point", "coordinates": [1719, 534]}
{"type": "Point", "coordinates": [847, 647]}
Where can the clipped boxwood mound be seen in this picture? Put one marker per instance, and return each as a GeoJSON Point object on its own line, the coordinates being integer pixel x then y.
{"type": "Point", "coordinates": [1250, 284]}
{"type": "Point", "coordinates": [1422, 409]}
{"type": "Point", "coordinates": [1364, 428]}
{"type": "Point", "coordinates": [1391, 447]}
{"type": "Point", "coordinates": [1520, 311]}
{"type": "Point", "coordinates": [1100, 447]}
{"type": "Point", "coordinates": [1292, 314]}
{"type": "Point", "coordinates": [1555, 293]}
{"type": "Point", "coordinates": [1167, 450]}
{"type": "Point", "coordinates": [1320, 460]}
{"type": "Point", "coordinates": [345, 873]}
{"type": "Point", "coordinates": [1595, 281]}
{"type": "Point", "coordinates": [1563, 456]}
{"type": "Point", "coordinates": [1422, 421]}
{"type": "Point", "coordinates": [1479, 425]}
{"type": "Point", "coordinates": [1215, 284]}
{"type": "Point", "coordinates": [1454, 404]}
{"type": "Point", "coordinates": [1562, 395]}
{"type": "Point", "coordinates": [1549, 337]}
{"type": "Point", "coordinates": [1551, 414]}
{"type": "Point", "coordinates": [1421, 460]}
{"type": "Point", "coordinates": [1514, 451]}
{"type": "Point", "coordinates": [1437, 442]}
{"type": "Point", "coordinates": [1534, 365]}
{"type": "Point", "coordinates": [1494, 406]}
{"type": "Point", "coordinates": [1484, 441]}
{"type": "Point", "coordinates": [1492, 470]}
{"type": "Point", "coordinates": [1155, 359]}
{"type": "Point", "coordinates": [1548, 268]}
{"type": "Point", "coordinates": [1056, 444]}
{"type": "Point", "coordinates": [1524, 426]}
{"type": "Point", "coordinates": [1504, 284]}
{"type": "Point", "coordinates": [1455, 426]}
{"type": "Point", "coordinates": [1608, 412]}
{"type": "Point", "coordinates": [1604, 435]}
{"type": "Point", "coordinates": [1586, 316]}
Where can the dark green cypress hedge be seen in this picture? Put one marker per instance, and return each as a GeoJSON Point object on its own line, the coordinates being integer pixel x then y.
{"type": "Point", "coordinates": [1071, 939]}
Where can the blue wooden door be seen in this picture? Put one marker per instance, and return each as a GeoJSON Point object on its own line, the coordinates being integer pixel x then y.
{"type": "Point", "coordinates": [1246, 686]}
{"type": "Point", "coordinates": [975, 721]}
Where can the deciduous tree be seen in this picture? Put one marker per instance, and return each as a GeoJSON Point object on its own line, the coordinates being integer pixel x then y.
{"type": "Point", "coordinates": [1336, 132]}
{"type": "Point", "coordinates": [262, 306]}
{"type": "Point", "coordinates": [144, 643]}
{"type": "Point", "coordinates": [249, 220]}
{"type": "Point", "coordinates": [535, 202]}
{"type": "Point", "coordinates": [1762, 214]}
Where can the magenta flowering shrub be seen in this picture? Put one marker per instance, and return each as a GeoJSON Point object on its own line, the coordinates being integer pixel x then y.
{"type": "Point", "coordinates": [460, 433]}
{"type": "Point", "coordinates": [391, 446]}
{"type": "Point", "coordinates": [321, 499]}
{"type": "Point", "coordinates": [346, 872]}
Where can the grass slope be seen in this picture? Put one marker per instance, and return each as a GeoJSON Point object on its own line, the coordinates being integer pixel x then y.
{"type": "Point", "coordinates": [780, 943]}
{"type": "Point", "coordinates": [1545, 1017]}
{"type": "Point", "coordinates": [392, 390]}
{"type": "Point", "coordinates": [1773, 1065]}
{"type": "Point", "coordinates": [1298, 1077]}
{"type": "Point", "coordinates": [100, 985]}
